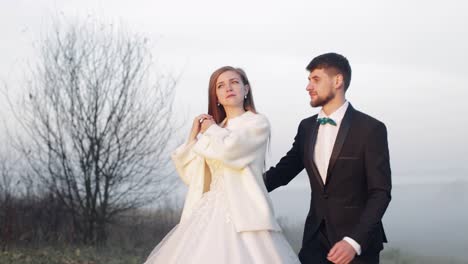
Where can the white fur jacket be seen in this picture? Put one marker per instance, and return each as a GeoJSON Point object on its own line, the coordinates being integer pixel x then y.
{"type": "Point", "coordinates": [240, 147]}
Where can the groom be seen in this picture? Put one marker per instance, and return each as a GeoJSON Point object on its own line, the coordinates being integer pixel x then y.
{"type": "Point", "coordinates": [345, 154]}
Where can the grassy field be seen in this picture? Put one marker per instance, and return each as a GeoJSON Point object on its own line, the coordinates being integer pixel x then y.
{"type": "Point", "coordinates": [396, 256]}
{"type": "Point", "coordinates": [132, 239]}
{"type": "Point", "coordinates": [69, 255]}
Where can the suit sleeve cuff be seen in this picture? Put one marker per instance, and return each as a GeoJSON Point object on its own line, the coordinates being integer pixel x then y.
{"type": "Point", "coordinates": [354, 244]}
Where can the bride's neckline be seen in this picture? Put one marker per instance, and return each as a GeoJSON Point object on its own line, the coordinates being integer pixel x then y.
{"type": "Point", "coordinates": [225, 122]}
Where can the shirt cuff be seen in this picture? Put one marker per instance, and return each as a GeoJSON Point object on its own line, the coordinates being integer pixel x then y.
{"type": "Point", "coordinates": [354, 244]}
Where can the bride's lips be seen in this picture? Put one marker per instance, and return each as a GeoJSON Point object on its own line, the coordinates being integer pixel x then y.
{"type": "Point", "coordinates": [231, 95]}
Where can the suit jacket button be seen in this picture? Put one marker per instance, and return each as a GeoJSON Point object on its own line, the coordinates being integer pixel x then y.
{"type": "Point", "coordinates": [325, 195]}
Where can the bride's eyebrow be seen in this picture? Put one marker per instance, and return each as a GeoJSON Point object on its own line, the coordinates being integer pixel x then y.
{"type": "Point", "coordinates": [235, 78]}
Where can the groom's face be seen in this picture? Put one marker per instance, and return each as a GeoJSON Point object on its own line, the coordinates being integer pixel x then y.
{"type": "Point", "coordinates": [320, 87]}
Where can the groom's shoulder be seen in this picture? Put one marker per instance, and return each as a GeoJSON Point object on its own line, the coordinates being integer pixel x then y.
{"type": "Point", "coordinates": [367, 119]}
{"type": "Point", "coordinates": [309, 120]}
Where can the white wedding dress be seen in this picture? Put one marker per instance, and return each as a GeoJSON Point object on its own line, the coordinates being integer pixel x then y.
{"type": "Point", "coordinates": [208, 235]}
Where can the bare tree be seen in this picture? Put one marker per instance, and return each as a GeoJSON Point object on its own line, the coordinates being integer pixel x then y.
{"type": "Point", "coordinates": [97, 123]}
{"type": "Point", "coordinates": [6, 221]}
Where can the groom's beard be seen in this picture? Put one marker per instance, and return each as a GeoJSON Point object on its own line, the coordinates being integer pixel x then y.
{"type": "Point", "coordinates": [322, 101]}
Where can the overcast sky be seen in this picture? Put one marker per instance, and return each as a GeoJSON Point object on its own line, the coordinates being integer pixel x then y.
{"type": "Point", "coordinates": [408, 60]}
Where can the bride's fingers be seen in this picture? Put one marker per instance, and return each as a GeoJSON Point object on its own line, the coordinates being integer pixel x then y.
{"type": "Point", "coordinates": [202, 117]}
{"type": "Point", "coordinates": [199, 117]}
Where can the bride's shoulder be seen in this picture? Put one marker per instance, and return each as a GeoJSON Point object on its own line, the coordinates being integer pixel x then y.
{"type": "Point", "coordinates": [256, 117]}
{"type": "Point", "coordinates": [256, 122]}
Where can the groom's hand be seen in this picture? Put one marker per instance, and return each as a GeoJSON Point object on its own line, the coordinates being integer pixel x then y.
{"type": "Point", "coordinates": [341, 253]}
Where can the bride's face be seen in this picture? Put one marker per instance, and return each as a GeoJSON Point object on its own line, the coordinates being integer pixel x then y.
{"type": "Point", "coordinates": [230, 90]}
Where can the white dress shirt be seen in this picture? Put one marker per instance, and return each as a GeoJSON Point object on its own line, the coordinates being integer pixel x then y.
{"type": "Point", "coordinates": [326, 138]}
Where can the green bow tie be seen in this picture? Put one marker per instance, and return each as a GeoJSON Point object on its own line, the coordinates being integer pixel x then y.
{"type": "Point", "coordinates": [326, 120]}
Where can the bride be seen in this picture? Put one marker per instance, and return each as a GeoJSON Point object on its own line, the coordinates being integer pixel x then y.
{"type": "Point", "coordinates": [228, 215]}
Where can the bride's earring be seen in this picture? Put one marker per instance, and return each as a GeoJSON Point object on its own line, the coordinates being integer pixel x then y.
{"type": "Point", "coordinates": [218, 104]}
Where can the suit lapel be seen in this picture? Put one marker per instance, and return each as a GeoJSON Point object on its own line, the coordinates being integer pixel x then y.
{"type": "Point", "coordinates": [310, 149]}
{"type": "Point", "coordinates": [340, 139]}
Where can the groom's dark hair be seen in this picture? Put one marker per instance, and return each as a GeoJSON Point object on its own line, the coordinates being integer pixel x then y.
{"type": "Point", "coordinates": [334, 61]}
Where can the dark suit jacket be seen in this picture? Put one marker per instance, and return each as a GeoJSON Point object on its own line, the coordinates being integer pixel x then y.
{"type": "Point", "coordinates": [356, 193]}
